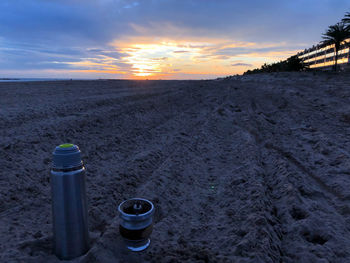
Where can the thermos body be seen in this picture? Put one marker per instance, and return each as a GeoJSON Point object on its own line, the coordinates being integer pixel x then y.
{"type": "Point", "coordinates": [69, 207]}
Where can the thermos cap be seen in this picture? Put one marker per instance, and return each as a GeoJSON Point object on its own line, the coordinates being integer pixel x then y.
{"type": "Point", "coordinates": [66, 156]}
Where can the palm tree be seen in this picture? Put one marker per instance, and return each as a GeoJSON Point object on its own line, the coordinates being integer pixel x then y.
{"type": "Point", "coordinates": [334, 36]}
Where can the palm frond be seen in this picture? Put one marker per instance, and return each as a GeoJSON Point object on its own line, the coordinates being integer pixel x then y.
{"type": "Point", "coordinates": [346, 19]}
{"type": "Point", "coordinates": [336, 34]}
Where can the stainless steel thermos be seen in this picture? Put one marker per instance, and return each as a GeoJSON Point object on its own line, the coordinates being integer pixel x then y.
{"type": "Point", "coordinates": [136, 223]}
{"type": "Point", "coordinates": [69, 207]}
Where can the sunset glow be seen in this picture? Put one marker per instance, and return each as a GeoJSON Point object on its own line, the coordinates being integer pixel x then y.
{"type": "Point", "coordinates": [158, 39]}
{"type": "Point", "coordinates": [170, 58]}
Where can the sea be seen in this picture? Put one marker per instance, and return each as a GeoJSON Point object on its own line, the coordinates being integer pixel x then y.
{"type": "Point", "coordinates": [34, 79]}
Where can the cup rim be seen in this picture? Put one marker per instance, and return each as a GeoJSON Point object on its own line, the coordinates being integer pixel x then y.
{"type": "Point", "coordinates": [132, 215]}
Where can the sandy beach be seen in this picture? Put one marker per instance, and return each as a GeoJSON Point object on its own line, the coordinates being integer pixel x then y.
{"type": "Point", "coordinates": [248, 169]}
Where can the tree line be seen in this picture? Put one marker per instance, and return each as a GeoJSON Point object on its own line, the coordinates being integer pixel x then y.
{"type": "Point", "coordinates": [334, 35]}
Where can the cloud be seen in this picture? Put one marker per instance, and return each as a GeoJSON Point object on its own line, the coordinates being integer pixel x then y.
{"type": "Point", "coordinates": [242, 65]}
{"type": "Point", "coordinates": [180, 51]}
{"type": "Point", "coordinates": [134, 4]}
{"type": "Point", "coordinates": [107, 35]}
{"type": "Point", "coordinates": [97, 20]}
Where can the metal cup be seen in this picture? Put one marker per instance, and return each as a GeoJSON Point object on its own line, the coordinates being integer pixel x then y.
{"type": "Point", "coordinates": [136, 223]}
{"type": "Point", "coordinates": [69, 207]}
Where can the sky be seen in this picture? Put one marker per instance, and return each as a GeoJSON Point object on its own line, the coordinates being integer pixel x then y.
{"type": "Point", "coordinates": [156, 39]}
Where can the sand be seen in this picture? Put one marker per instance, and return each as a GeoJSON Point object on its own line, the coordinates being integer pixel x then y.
{"type": "Point", "coordinates": [248, 169]}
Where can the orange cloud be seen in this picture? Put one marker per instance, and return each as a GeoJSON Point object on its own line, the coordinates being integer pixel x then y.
{"type": "Point", "coordinates": [171, 58]}
{"type": "Point", "coordinates": [99, 71]}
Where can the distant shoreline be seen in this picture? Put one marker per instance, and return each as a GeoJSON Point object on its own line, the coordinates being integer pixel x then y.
{"type": "Point", "coordinates": [8, 79]}
{"type": "Point", "coordinates": [50, 80]}
{"type": "Point", "coordinates": [35, 79]}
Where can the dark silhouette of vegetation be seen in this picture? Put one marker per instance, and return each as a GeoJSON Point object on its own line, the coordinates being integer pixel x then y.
{"type": "Point", "coordinates": [291, 64]}
{"type": "Point", "coordinates": [335, 35]}
{"type": "Point", "coordinates": [346, 21]}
